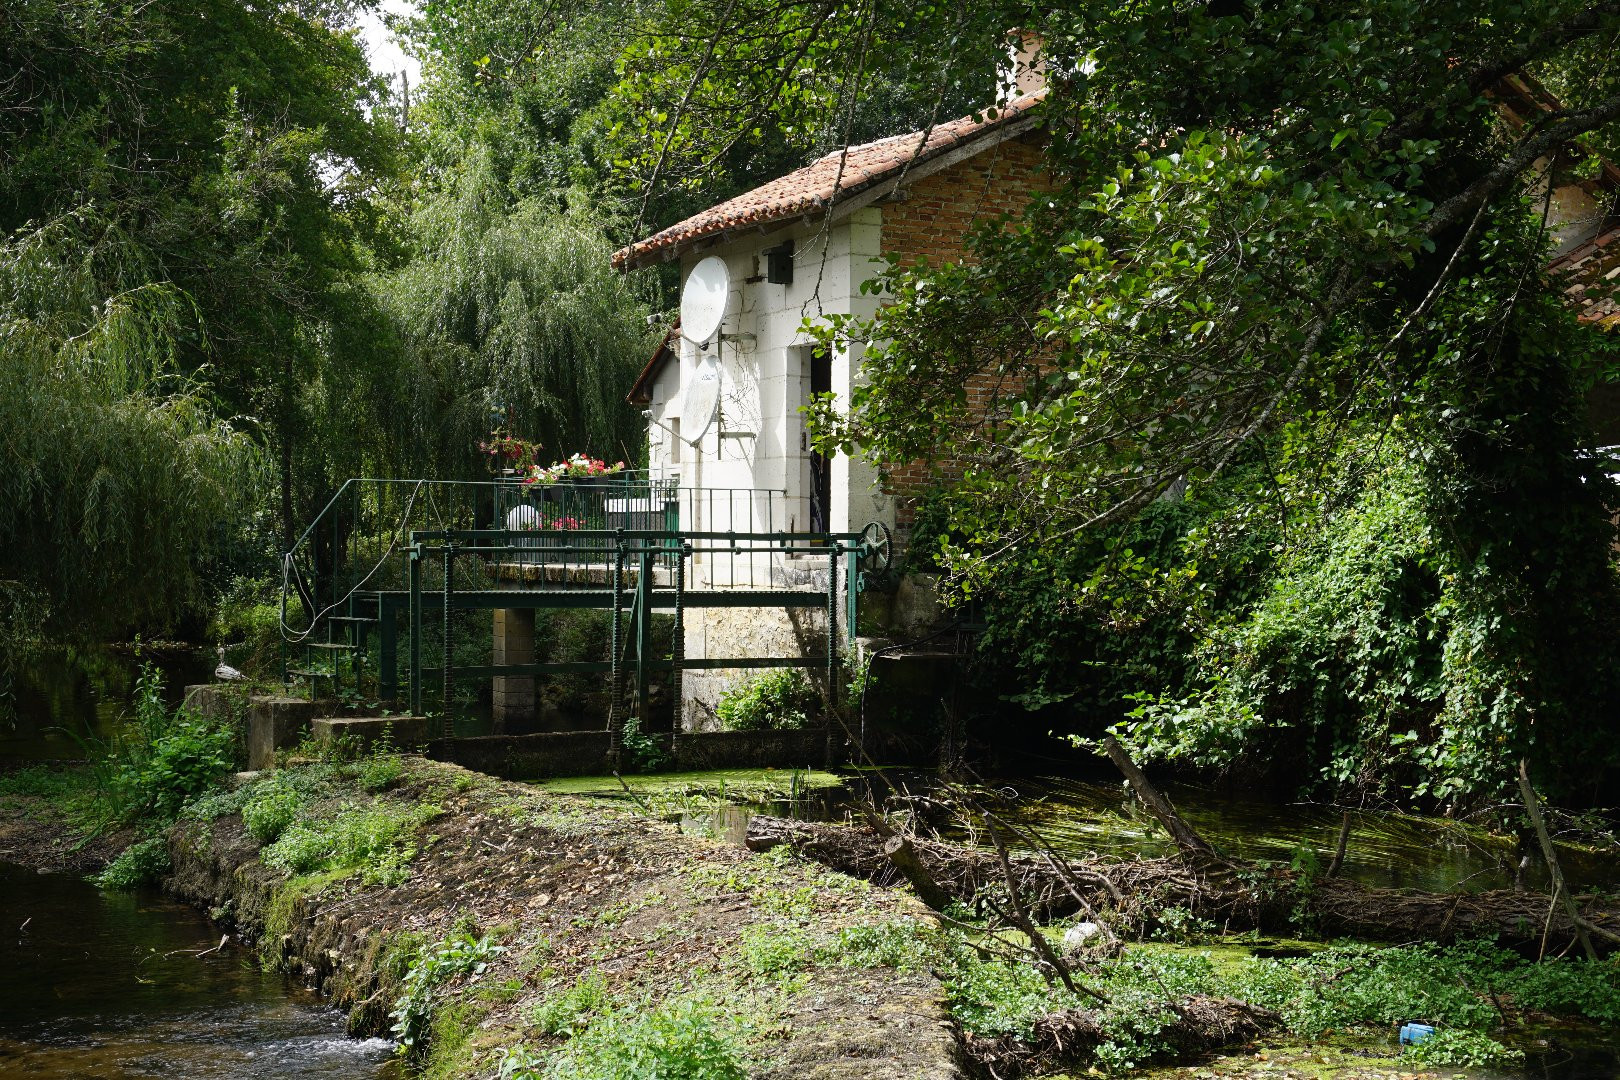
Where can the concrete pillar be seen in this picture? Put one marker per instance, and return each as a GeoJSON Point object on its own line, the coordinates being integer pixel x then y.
{"type": "Point", "coordinates": [513, 698]}
{"type": "Point", "coordinates": [277, 723]}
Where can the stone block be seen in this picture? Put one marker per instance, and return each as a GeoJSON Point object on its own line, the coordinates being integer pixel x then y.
{"type": "Point", "coordinates": [216, 701]}
{"type": "Point", "coordinates": [277, 723]}
{"type": "Point", "coordinates": [364, 732]}
{"type": "Point", "coordinates": [916, 610]}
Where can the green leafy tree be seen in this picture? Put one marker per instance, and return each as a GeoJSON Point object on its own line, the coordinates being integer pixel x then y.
{"type": "Point", "coordinates": [511, 308]}
{"type": "Point", "coordinates": [1298, 235]}
{"type": "Point", "coordinates": [228, 145]}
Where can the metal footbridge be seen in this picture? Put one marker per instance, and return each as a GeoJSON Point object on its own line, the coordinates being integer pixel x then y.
{"type": "Point", "coordinates": [371, 590]}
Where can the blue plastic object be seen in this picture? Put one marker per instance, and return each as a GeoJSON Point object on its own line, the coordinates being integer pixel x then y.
{"type": "Point", "coordinates": [1412, 1034]}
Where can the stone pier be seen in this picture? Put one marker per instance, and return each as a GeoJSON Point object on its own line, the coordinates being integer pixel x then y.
{"type": "Point", "coordinates": [513, 695]}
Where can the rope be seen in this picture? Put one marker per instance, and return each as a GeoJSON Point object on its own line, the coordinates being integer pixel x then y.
{"type": "Point", "coordinates": [288, 572]}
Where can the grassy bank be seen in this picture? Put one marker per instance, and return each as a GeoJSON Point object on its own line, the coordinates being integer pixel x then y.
{"type": "Point", "coordinates": [534, 931]}
{"type": "Point", "coordinates": [496, 929]}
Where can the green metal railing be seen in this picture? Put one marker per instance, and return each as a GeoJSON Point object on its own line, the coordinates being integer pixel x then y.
{"type": "Point", "coordinates": [390, 558]}
{"type": "Point", "coordinates": [630, 562]}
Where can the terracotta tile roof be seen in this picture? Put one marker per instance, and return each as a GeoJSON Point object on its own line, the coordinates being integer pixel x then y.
{"type": "Point", "coordinates": [1590, 272]}
{"type": "Point", "coordinates": [834, 178]}
{"type": "Point", "coordinates": [1593, 270]}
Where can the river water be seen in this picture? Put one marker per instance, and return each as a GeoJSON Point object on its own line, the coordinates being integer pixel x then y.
{"type": "Point", "coordinates": [113, 985]}
{"type": "Point", "coordinates": [98, 985]}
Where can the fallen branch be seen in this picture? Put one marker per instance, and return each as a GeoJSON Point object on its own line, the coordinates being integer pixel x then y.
{"type": "Point", "coordinates": [1191, 844]}
{"type": "Point", "coordinates": [1068, 1039]}
{"type": "Point", "coordinates": [1235, 897]}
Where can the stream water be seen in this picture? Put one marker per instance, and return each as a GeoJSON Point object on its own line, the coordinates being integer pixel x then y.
{"type": "Point", "coordinates": [106, 985]}
{"type": "Point", "coordinates": [113, 985]}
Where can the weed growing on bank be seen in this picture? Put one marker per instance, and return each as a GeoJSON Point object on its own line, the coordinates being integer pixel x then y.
{"type": "Point", "coordinates": [160, 759]}
{"type": "Point", "coordinates": [157, 763]}
{"type": "Point", "coordinates": [141, 863]}
{"type": "Point", "coordinates": [1472, 992]}
{"type": "Point", "coordinates": [433, 967]}
{"type": "Point", "coordinates": [688, 1038]}
{"type": "Point", "coordinates": [377, 841]}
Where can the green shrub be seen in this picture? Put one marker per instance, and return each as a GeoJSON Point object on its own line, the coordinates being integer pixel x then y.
{"type": "Point", "coordinates": [643, 753]}
{"type": "Point", "coordinates": [679, 1040]}
{"type": "Point", "coordinates": [269, 811]}
{"type": "Point", "coordinates": [777, 701]}
{"type": "Point", "coordinates": [775, 948]}
{"type": "Point", "coordinates": [162, 758]}
{"type": "Point", "coordinates": [456, 955]}
{"type": "Point", "coordinates": [380, 771]}
{"type": "Point", "coordinates": [568, 1012]}
{"type": "Point", "coordinates": [142, 863]}
{"type": "Point", "coordinates": [991, 997]}
{"type": "Point", "coordinates": [1360, 984]}
{"type": "Point", "coordinates": [1469, 1049]}
{"type": "Point", "coordinates": [899, 943]}
{"type": "Point", "coordinates": [375, 840]}
{"type": "Point", "coordinates": [1589, 988]}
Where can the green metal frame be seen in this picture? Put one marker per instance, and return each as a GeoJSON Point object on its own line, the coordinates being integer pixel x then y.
{"type": "Point", "coordinates": [647, 550]}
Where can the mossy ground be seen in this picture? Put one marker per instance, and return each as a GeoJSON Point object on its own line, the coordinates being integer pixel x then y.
{"type": "Point", "coordinates": [49, 820]}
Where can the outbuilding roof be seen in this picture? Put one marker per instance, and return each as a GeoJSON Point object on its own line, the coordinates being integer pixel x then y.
{"type": "Point", "coordinates": [1589, 273]}
{"type": "Point", "coordinates": [839, 177]}
{"type": "Point", "coordinates": [1593, 270]}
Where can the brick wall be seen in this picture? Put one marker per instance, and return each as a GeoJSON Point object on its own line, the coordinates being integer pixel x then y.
{"type": "Point", "coordinates": [931, 224]}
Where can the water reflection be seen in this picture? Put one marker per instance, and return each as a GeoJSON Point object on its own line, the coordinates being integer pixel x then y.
{"type": "Point", "coordinates": [69, 694]}
{"type": "Point", "coordinates": [110, 985]}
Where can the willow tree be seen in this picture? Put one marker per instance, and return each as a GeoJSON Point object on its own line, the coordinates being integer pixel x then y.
{"type": "Point", "coordinates": [510, 309]}
{"type": "Point", "coordinates": [117, 479]}
{"type": "Point", "coordinates": [235, 147]}
{"type": "Point", "coordinates": [1291, 251]}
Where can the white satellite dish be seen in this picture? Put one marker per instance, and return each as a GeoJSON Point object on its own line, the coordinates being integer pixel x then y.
{"type": "Point", "coordinates": [700, 400]}
{"type": "Point", "coordinates": [703, 300]}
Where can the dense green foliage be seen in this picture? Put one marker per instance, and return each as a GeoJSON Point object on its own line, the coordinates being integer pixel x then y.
{"type": "Point", "coordinates": [777, 701]}
{"type": "Point", "coordinates": [1287, 256]}
{"type": "Point", "coordinates": [1463, 989]}
{"type": "Point", "coordinates": [1290, 464]}
{"type": "Point", "coordinates": [161, 758]}
{"type": "Point", "coordinates": [512, 309]}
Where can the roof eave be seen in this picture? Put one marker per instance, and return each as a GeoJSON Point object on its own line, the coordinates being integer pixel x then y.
{"type": "Point", "coordinates": [845, 202]}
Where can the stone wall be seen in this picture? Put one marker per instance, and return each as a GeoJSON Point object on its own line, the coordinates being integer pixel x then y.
{"type": "Point", "coordinates": [730, 633]}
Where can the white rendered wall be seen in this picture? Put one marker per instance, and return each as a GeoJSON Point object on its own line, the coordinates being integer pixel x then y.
{"type": "Point", "coordinates": [758, 442]}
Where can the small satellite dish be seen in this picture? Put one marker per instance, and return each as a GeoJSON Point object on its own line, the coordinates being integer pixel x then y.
{"type": "Point", "coordinates": [703, 300]}
{"type": "Point", "coordinates": [700, 400]}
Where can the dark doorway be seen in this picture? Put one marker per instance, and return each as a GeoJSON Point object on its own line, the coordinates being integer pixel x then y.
{"type": "Point", "coordinates": [820, 464]}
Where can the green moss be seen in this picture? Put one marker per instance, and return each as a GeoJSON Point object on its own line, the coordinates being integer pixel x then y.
{"type": "Point", "coordinates": [765, 782]}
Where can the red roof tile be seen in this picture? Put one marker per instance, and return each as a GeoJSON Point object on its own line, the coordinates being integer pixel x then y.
{"type": "Point", "coordinates": [831, 179]}
{"type": "Point", "coordinates": [1593, 270]}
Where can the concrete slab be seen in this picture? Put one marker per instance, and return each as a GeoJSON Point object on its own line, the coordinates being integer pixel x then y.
{"type": "Point", "coordinates": [364, 732]}
{"type": "Point", "coordinates": [277, 723]}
